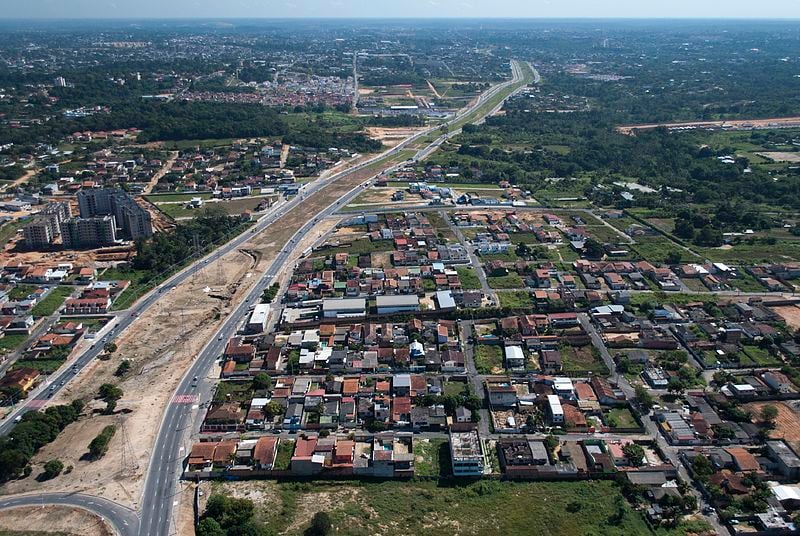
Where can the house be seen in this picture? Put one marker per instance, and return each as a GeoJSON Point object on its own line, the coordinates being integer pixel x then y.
{"type": "Point", "coordinates": [463, 415]}
{"type": "Point", "coordinates": [501, 394]}
{"type": "Point", "coordinates": [86, 306]}
{"type": "Point", "coordinates": [23, 378]}
{"type": "Point", "coordinates": [550, 361]}
{"type": "Point", "coordinates": [554, 410]}
{"type": "Point", "coordinates": [515, 358]}
{"type": "Point", "coordinates": [264, 453]}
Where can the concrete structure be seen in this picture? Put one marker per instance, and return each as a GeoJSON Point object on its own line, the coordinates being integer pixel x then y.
{"type": "Point", "coordinates": [515, 358]}
{"type": "Point", "coordinates": [555, 410]}
{"type": "Point", "coordinates": [133, 221]}
{"type": "Point", "coordinates": [466, 453]}
{"type": "Point", "coordinates": [88, 232]}
{"type": "Point", "coordinates": [258, 318]}
{"type": "Point", "coordinates": [42, 231]}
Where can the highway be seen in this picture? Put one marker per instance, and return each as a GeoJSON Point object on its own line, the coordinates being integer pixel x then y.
{"type": "Point", "coordinates": [170, 449]}
{"type": "Point", "coordinates": [159, 494]}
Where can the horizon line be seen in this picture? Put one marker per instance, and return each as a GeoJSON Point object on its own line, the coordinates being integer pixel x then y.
{"type": "Point", "coordinates": [408, 18]}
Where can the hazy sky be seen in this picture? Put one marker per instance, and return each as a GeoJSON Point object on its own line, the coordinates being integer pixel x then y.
{"type": "Point", "coordinates": [398, 8]}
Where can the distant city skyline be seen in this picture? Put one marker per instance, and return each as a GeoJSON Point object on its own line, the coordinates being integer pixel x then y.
{"type": "Point", "coordinates": [104, 9]}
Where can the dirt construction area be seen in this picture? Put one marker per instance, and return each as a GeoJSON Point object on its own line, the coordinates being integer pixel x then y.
{"type": "Point", "coordinates": [790, 315]}
{"type": "Point", "coordinates": [160, 345]}
{"type": "Point", "coordinates": [391, 136]}
{"type": "Point", "coordinates": [787, 425]}
{"type": "Point", "coordinates": [59, 520]}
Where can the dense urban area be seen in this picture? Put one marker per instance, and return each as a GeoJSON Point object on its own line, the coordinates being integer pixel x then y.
{"type": "Point", "coordinates": [338, 277]}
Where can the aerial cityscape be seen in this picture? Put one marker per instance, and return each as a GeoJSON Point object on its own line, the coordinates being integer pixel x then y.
{"type": "Point", "coordinates": [350, 275]}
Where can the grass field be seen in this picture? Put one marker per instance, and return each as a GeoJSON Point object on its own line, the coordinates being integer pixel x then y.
{"type": "Point", "coordinates": [506, 281]}
{"type": "Point", "coordinates": [11, 342]}
{"type": "Point", "coordinates": [431, 508]}
{"type": "Point", "coordinates": [431, 457]}
{"type": "Point", "coordinates": [517, 299]}
{"type": "Point", "coordinates": [621, 418]}
{"type": "Point", "coordinates": [165, 198]}
{"type": "Point", "coordinates": [52, 301]}
{"type": "Point", "coordinates": [469, 279]}
{"type": "Point", "coordinates": [582, 359]}
{"type": "Point", "coordinates": [45, 366]}
{"type": "Point", "coordinates": [488, 359]}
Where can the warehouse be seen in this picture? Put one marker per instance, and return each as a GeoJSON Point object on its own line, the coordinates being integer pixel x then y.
{"type": "Point", "coordinates": [344, 308]}
{"type": "Point", "coordinates": [397, 304]}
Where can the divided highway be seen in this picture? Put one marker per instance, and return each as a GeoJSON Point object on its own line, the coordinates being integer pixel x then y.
{"type": "Point", "coordinates": [159, 494]}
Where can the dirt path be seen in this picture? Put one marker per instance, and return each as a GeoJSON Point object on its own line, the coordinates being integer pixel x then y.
{"type": "Point", "coordinates": [173, 155]}
{"type": "Point", "coordinates": [433, 89]}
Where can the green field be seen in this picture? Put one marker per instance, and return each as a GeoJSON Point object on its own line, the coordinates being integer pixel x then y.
{"type": "Point", "coordinates": [621, 418]}
{"type": "Point", "coordinates": [583, 359]}
{"type": "Point", "coordinates": [506, 281]}
{"type": "Point", "coordinates": [488, 359]}
{"type": "Point", "coordinates": [517, 299]}
{"type": "Point", "coordinates": [469, 279]}
{"type": "Point", "coordinates": [431, 508]}
{"type": "Point", "coordinates": [11, 342]}
{"type": "Point", "coordinates": [52, 301]}
{"type": "Point", "coordinates": [432, 457]}
{"type": "Point", "coordinates": [181, 197]}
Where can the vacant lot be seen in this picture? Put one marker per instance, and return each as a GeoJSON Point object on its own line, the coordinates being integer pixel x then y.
{"type": "Point", "coordinates": [489, 359]}
{"type": "Point", "coordinates": [579, 360]}
{"type": "Point", "coordinates": [400, 508]}
{"type": "Point", "coordinates": [51, 521]}
{"type": "Point", "coordinates": [787, 425]}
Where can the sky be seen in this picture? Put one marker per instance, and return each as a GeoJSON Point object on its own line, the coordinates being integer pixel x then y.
{"type": "Point", "coordinates": [138, 9]}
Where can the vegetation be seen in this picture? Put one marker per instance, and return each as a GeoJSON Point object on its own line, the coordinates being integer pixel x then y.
{"type": "Point", "coordinates": [52, 301]}
{"type": "Point", "coordinates": [422, 507]}
{"type": "Point", "coordinates": [52, 469]}
{"type": "Point", "coordinates": [99, 445]}
{"type": "Point", "coordinates": [35, 430]}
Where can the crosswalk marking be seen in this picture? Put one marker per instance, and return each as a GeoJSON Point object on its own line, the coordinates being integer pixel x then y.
{"type": "Point", "coordinates": [184, 399]}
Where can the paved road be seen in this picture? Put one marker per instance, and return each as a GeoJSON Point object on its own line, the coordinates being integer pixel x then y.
{"type": "Point", "coordinates": [124, 520]}
{"type": "Point", "coordinates": [161, 484]}
{"type": "Point", "coordinates": [473, 259]}
{"type": "Point", "coordinates": [671, 452]}
{"type": "Point", "coordinates": [169, 451]}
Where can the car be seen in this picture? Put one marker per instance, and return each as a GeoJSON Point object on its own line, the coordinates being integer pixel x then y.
{"type": "Point", "coordinates": [195, 378]}
{"type": "Point", "coordinates": [219, 338]}
{"type": "Point", "coordinates": [63, 382]}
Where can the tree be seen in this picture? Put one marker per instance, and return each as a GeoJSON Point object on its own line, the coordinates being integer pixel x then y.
{"type": "Point", "coordinates": [209, 527]}
{"type": "Point", "coordinates": [110, 347]}
{"type": "Point", "coordinates": [262, 382]}
{"type": "Point", "coordinates": [684, 229]}
{"type": "Point", "coordinates": [593, 249]}
{"type": "Point", "coordinates": [673, 257]}
{"type": "Point", "coordinates": [634, 453]}
{"type": "Point", "coordinates": [53, 468]}
{"type": "Point", "coordinates": [768, 414]}
{"type": "Point", "coordinates": [644, 397]}
{"type": "Point", "coordinates": [99, 445]}
{"type": "Point", "coordinates": [321, 525]}
{"type": "Point", "coordinates": [109, 391]}
{"type": "Point", "coordinates": [124, 367]}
